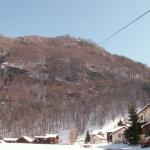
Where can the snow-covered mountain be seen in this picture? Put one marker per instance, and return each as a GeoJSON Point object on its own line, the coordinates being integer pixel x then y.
{"type": "Point", "coordinates": [55, 84]}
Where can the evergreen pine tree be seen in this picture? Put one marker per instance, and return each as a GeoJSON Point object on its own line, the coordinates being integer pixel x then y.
{"type": "Point", "coordinates": [120, 123]}
{"type": "Point", "coordinates": [87, 138]}
{"type": "Point", "coordinates": [132, 134]}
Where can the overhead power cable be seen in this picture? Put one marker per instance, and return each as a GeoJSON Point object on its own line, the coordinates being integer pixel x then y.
{"type": "Point", "coordinates": [112, 35]}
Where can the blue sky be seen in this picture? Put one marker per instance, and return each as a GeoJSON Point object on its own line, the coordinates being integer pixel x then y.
{"type": "Point", "coordinates": [91, 19]}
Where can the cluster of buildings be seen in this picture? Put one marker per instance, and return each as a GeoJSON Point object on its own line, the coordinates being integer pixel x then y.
{"type": "Point", "coordinates": [46, 139]}
{"type": "Point", "coordinates": [116, 134]}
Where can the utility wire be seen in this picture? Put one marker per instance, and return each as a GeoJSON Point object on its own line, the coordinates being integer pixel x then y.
{"type": "Point", "coordinates": [112, 35]}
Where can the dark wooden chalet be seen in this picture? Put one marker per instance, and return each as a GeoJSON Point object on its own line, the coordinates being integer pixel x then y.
{"type": "Point", "coordinates": [47, 139]}
{"type": "Point", "coordinates": [24, 139]}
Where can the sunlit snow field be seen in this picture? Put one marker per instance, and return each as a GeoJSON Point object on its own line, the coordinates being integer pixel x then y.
{"type": "Point", "coordinates": [5, 146]}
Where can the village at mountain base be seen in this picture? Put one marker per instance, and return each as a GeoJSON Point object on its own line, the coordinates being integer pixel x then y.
{"type": "Point", "coordinates": [114, 135]}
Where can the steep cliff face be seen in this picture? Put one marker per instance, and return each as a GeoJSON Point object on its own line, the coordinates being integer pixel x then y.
{"type": "Point", "coordinates": [49, 84]}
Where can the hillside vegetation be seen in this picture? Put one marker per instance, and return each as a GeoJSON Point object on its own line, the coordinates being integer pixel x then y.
{"type": "Point", "coordinates": [52, 84]}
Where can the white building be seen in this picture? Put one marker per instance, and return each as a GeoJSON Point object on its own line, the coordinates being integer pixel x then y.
{"type": "Point", "coordinates": [116, 135]}
{"type": "Point", "coordinates": [144, 114]}
{"type": "Point", "coordinates": [97, 136]}
{"type": "Point", "coordinates": [144, 117]}
{"type": "Point", "coordinates": [95, 139]}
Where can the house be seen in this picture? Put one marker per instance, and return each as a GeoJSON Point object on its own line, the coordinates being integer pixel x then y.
{"type": "Point", "coordinates": [98, 132]}
{"type": "Point", "coordinates": [144, 118]}
{"type": "Point", "coordinates": [116, 135]}
{"type": "Point", "coordinates": [24, 139]}
{"type": "Point", "coordinates": [10, 140]}
{"type": "Point", "coordinates": [97, 136]}
{"type": "Point", "coordinates": [47, 139]}
{"type": "Point", "coordinates": [95, 139]}
{"type": "Point", "coordinates": [144, 114]}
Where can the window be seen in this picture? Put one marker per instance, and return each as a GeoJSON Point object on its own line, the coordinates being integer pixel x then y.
{"type": "Point", "coordinates": [119, 135]}
{"type": "Point", "coordinates": [141, 118]}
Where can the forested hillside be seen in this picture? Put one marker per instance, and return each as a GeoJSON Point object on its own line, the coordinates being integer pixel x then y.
{"type": "Point", "coordinates": [52, 84]}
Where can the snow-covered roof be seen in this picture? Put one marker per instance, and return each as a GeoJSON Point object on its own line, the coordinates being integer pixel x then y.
{"type": "Point", "coordinates": [47, 136]}
{"type": "Point", "coordinates": [27, 138]}
{"type": "Point", "coordinates": [94, 132]}
{"type": "Point", "coordinates": [51, 135]}
{"type": "Point", "coordinates": [43, 137]}
{"type": "Point", "coordinates": [148, 105]}
{"type": "Point", "coordinates": [148, 123]}
{"type": "Point", "coordinates": [10, 139]}
{"type": "Point", "coordinates": [116, 129]}
{"type": "Point", "coordinates": [99, 136]}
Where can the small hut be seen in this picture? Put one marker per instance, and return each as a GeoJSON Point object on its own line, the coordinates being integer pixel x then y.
{"type": "Point", "coordinates": [10, 140]}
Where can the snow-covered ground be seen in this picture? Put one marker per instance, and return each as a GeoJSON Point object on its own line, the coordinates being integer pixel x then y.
{"type": "Point", "coordinates": [6, 146]}
{"type": "Point", "coordinates": [111, 146]}
{"type": "Point", "coordinates": [39, 147]}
